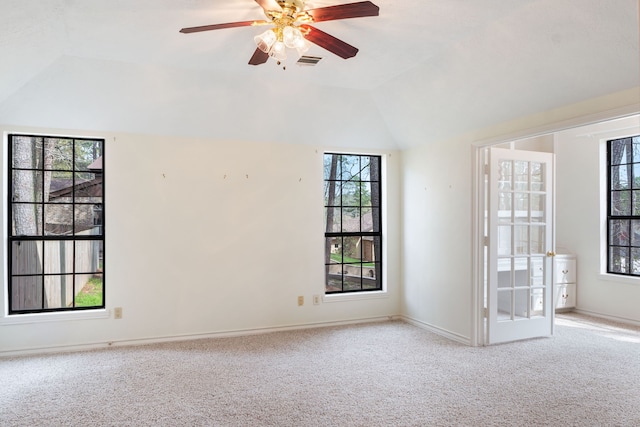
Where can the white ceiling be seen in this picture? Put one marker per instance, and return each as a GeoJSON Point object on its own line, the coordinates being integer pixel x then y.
{"type": "Point", "coordinates": [427, 69]}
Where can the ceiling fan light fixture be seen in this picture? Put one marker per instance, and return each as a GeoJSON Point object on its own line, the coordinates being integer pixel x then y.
{"type": "Point", "coordinates": [292, 37]}
{"type": "Point", "coordinates": [303, 47]}
{"type": "Point", "coordinates": [278, 51]}
{"type": "Point", "coordinates": [265, 41]}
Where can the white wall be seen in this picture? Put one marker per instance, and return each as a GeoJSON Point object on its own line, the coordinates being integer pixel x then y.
{"type": "Point", "coordinates": [206, 236]}
{"type": "Point", "coordinates": [579, 222]}
{"type": "Point", "coordinates": [436, 248]}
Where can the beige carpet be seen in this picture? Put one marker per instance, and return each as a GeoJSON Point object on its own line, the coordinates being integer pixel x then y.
{"type": "Point", "coordinates": [380, 374]}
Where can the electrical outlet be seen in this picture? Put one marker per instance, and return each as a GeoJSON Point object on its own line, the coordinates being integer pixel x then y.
{"type": "Point", "coordinates": [316, 300]}
{"type": "Point", "coordinates": [300, 300]}
{"type": "Point", "coordinates": [117, 313]}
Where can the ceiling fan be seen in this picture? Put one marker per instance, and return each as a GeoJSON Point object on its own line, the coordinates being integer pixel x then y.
{"type": "Point", "coordinates": [292, 28]}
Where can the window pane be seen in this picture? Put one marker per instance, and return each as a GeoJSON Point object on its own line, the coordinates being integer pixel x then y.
{"type": "Point", "coordinates": [538, 243]}
{"type": "Point", "coordinates": [635, 232]}
{"type": "Point", "coordinates": [61, 187]}
{"type": "Point", "coordinates": [620, 203]}
{"type": "Point", "coordinates": [365, 193]}
{"type": "Point", "coordinates": [537, 271]}
{"type": "Point", "coordinates": [86, 154]}
{"type": "Point", "coordinates": [59, 219]}
{"type": "Point", "coordinates": [332, 193]}
{"type": "Point", "coordinates": [521, 239]}
{"type": "Point", "coordinates": [27, 186]}
{"type": "Point", "coordinates": [522, 303]}
{"type": "Point", "coordinates": [351, 249]}
{"type": "Point", "coordinates": [88, 187]}
{"type": "Point", "coordinates": [332, 220]}
{"type": "Point", "coordinates": [59, 153]}
{"type": "Point", "coordinates": [26, 151]}
{"type": "Point", "coordinates": [365, 173]}
{"type": "Point", "coordinates": [331, 166]}
{"type": "Point", "coordinates": [88, 254]}
{"type": "Point", "coordinates": [635, 261]}
{"type": "Point", "coordinates": [521, 271]}
{"type": "Point", "coordinates": [537, 208]}
{"type": "Point", "coordinates": [521, 175]}
{"type": "Point", "coordinates": [27, 219]}
{"type": "Point", "coordinates": [26, 257]}
{"type": "Point", "coordinates": [351, 220]}
{"type": "Point", "coordinates": [635, 169]}
{"type": "Point", "coordinates": [537, 176]}
{"type": "Point", "coordinates": [58, 291]}
{"type": "Point", "coordinates": [619, 232]}
{"type": "Point", "coordinates": [375, 221]}
{"type": "Point", "coordinates": [521, 207]}
{"type": "Point", "coordinates": [618, 259]}
{"type": "Point", "coordinates": [89, 292]}
{"type": "Point", "coordinates": [635, 206]}
{"type": "Point", "coordinates": [334, 245]}
{"type": "Point", "coordinates": [58, 256]}
{"type": "Point", "coordinates": [620, 177]}
{"type": "Point", "coordinates": [504, 240]}
{"type": "Point", "coordinates": [350, 194]}
{"type": "Point", "coordinates": [26, 293]}
{"type": "Point", "coordinates": [620, 151]}
{"type": "Point", "coordinates": [504, 207]}
{"type": "Point", "coordinates": [349, 167]}
{"type": "Point", "coordinates": [505, 175]}
{"type": "Point", "coordinates": [87, 219]}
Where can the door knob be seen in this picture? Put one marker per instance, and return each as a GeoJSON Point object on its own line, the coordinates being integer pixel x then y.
{"type": "Point", "coordinates": [551, 253]}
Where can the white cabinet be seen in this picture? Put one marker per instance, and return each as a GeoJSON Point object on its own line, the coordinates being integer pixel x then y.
{"type": "Point", "coordinates": [564, 283]}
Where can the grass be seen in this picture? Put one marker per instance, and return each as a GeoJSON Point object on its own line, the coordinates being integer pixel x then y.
{"type": "Point", "coordinates": [348, 260]}
{"type": "Point", "coordinates": [91, 294]}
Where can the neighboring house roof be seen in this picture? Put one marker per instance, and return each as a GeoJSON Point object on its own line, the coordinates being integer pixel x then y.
{"type": "Point", "coordinates": [96, 165]}
{"type": "Point", "coordinates": [84, 188]}
{"type": "Point", "coordinates": [353, 223]}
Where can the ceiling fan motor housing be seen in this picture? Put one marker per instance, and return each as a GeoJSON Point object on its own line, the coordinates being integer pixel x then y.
{"type": "Point", "coordinates": [297, 5]}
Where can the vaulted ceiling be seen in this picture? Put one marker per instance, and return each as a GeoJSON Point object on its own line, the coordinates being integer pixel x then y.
{"type": "Point", "coordinates": [427, 70]}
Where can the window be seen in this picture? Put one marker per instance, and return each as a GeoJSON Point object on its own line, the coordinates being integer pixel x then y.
{"type": "Point", "coordinates": [56, 224]}
{"type": "Point", "coordinates": [353, 232]}
{"type": "Point", "coordinates": [623, 207]}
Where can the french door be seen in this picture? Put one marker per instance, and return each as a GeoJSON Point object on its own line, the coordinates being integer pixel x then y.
{"type": "Point", "coordinates": [519, 245]}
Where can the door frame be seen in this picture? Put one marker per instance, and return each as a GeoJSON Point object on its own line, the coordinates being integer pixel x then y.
{"type": "Point", "coordinates": [477, 177]}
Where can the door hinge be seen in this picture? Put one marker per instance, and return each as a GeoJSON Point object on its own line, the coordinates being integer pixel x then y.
{"type": "Point", "coordinates": [485, 314]}
{"type": "Point", "coordinates": [486, 169]}
{"type": "Point", "coordinates": [485, 240]}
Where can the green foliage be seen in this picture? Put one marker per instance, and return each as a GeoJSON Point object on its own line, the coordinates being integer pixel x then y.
{"type": "Point", "coordinates": [91, 294]}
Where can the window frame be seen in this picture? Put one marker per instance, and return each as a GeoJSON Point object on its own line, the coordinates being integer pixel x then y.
{"type": "Point", "coordinates": [630, 245]}
{"type": "Point", "coordinates": [71, 237]}
{"type": "Point", "coordinates": [378, 225]}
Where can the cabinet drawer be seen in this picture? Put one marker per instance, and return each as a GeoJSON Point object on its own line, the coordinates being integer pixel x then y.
{"type": "Point", "coordinates": [565, 270]}
{"type": "Point", "coordinates": [564, 295]}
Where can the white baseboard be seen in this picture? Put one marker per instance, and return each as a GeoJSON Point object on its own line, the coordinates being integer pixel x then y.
{"type": "Point", "coordinates": [436, 330]}
{"type": "Point", "coordinates": [187, 337]}
{"type": "Point", "coordinates": [607, 317]}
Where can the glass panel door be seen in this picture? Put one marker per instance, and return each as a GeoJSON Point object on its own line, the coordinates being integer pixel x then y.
{"type": "Point", "coordinates": [520, 235]}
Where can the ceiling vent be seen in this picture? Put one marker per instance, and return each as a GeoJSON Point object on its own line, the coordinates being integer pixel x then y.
{"type": "Point", "coordinates": [308, 60]}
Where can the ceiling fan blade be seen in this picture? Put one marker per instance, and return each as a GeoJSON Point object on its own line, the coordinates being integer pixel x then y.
{"type": "Point", "coordinates": [222, 26]}
{"type": "Point", "coordinates": [327, 41]}
{"type": "Point", "coordinates": [269, 4]}
{"type": "Point", "coordinates": [344, 11]}
{"type": "Point", "coordinates": [259, 57]}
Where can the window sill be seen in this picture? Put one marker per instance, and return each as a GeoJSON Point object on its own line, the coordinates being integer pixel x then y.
{"type": "Point", "coordinates": [19, 319]}
{"type": "Point", "coordinates": [355, 296]}
{"type": "Point", "coordinates": [629, 280]}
